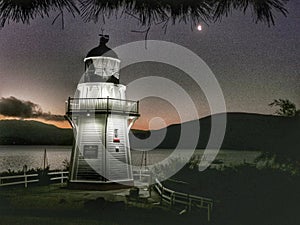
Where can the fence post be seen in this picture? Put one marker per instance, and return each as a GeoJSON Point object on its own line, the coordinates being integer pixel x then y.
{"type": "Point", "coordinates": [190, 202]}
{"type": "Point", "coordinates": [162, 194]}
{"type": "Point", "coordinates": [208, 212]}
{"type": "Point", "coordinates": [25, 176]}
{"type": "Point", "coordinates": [172, 199]}
{"type": "Point", "coordinates": [62, 178]}
{"type": "Point", "coordinates": [150, 178]}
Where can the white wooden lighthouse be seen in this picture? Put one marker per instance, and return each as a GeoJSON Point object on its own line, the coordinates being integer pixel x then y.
{"type": "Point", "coordinates": [101, 118]}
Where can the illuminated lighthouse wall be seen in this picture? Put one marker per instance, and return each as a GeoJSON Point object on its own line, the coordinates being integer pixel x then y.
{"type": "Point", "coordinates": [101, 118]}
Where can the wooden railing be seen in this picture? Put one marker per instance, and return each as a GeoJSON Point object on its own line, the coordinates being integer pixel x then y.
{"type": "Point", "coordinates": [18, 179]}
{"type": "Point", "coordinates": [26, 179]}
{"type": "Point", "coordinates": [142, 176]}
{"type": "Point", "coordinates": [178, 198]}
{"type": "Point", "coordinates": [61, 176]}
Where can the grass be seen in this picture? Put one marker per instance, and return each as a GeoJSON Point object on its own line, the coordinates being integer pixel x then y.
{"type": "Point", "coordinates": [56, 205]}
{"type": "Point", "coordinates": [243, 195]}
{"type": "Point", "coordinates": [24, 220]}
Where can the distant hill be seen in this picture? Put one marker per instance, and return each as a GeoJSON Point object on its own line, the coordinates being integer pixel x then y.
{"type": "Point", "coordinates": [22, 132]}
{"type": "Point", "coordinates": [244, 131]}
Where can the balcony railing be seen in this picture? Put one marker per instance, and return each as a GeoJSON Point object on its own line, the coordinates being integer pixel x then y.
{"type": "Point", "coordinates": [101, 105]}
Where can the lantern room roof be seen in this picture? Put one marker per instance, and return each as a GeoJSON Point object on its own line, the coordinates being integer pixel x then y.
{"type": "Point", "coordinates": [102, 49]}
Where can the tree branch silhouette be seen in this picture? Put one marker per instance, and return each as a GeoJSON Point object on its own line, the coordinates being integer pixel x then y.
{"type": "Point", "coordinates": [149, 12]}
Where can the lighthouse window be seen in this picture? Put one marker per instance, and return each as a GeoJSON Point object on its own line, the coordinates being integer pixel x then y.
{"type": "Point", "coordinates": [116, 133]}
{"type": "Point", "coordinates": [116, 136]}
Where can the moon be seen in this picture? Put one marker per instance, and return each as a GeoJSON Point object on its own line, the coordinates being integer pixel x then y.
{"type": "Point", "coordinates": [199, 27]}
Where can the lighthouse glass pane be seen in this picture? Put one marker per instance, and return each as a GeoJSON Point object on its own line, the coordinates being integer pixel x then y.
{"type": "Point", "coordinates": [106, 66]}
{"type": "Point", "coordinates": [102, 69]}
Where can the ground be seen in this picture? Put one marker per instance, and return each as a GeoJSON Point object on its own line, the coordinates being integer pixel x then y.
{"type": "Point", "coordinates": [56, 205]}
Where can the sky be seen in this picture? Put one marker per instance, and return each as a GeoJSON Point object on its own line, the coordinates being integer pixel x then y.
{"type": "Point", "coordinates": [41, 63]}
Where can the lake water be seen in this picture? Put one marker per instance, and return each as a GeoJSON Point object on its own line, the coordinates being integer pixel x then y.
{"type": "Point", "coordinates": [15, 157]}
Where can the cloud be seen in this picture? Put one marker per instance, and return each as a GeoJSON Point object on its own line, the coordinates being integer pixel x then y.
{"type": "Point", "coordinates": [18, 108]}
{"type": "Point", "coordinates": [13, 107]}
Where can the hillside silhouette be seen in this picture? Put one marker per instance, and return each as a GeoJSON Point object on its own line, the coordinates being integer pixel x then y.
{"type": "Point", "coordinates": [244, 131]}
{"type": "Point", "coordinates": [22, 132]}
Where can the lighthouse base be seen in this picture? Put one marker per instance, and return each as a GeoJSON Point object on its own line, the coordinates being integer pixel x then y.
{"type": "Point", "coordinates": [100, 186]}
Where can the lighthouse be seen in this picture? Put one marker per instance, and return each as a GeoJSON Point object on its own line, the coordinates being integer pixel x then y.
{"type": "Point", "coordinates": [101, 118]}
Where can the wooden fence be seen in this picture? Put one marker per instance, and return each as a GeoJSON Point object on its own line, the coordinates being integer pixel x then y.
{"type": "Point", "coordinates": [25, 179]}
{"type": "Point", "coordinates": [55, 177]}
{"type": "Point", "coordinates": [174, 198]}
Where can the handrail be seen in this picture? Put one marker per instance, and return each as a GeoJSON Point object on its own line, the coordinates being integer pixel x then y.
{"type": "Point", "coordinates": [102, 105]}
{"type": "Point", "coordinates": [124, 100]}
{"type": "Point", "coordinates": [172, 197]}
